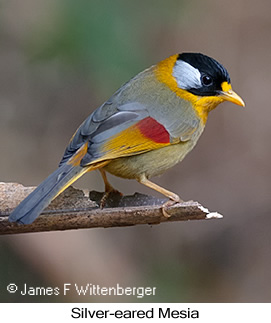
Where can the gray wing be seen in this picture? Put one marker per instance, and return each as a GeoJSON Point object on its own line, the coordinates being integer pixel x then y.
{"type": "Point", "coordinates": [123, 110]}
{"type": "Point", "coordinates": [103, 123]}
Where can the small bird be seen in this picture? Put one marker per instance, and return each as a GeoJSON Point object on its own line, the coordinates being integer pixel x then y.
{"type": "Point", "coordinates": [146, 127]}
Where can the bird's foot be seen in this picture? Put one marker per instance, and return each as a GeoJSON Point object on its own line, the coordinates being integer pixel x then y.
{"type": "Point", "coordinates": [173, 200]}
{"type": "Point", "coordinates": [107, 194]}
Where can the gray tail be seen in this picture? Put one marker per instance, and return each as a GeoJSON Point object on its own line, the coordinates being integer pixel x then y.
{"type": "Point", "coordinates": [31, 207]}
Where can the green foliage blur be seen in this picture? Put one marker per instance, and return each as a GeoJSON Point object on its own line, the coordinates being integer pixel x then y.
{"type": "Point", "coordinates": [104, 40]}
{"type": "Point", "coordinates": [61, 59]}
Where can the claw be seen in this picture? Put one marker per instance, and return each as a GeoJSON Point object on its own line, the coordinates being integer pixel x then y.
{"type": "Point", "coordinates": [109, 189]}
{"type": "Point", "coordinates": [106, 196]}
{"type": "Point", "coordinates": [177, 199]}
{"type": "Point", "coordinates": [165, 214]}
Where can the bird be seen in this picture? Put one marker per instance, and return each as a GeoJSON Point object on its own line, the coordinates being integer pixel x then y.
{"type": "Point", "coordinates": [146, 127]}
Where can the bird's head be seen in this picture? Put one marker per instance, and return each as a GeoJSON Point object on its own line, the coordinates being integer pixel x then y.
{"type": "Point", "coordinates": [199, 79]}
{"type": "Point", "coordinates": [203, 76]}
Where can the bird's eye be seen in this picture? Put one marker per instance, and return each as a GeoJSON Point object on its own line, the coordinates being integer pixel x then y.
{"type": "Point", "coordinates": [207, 80]}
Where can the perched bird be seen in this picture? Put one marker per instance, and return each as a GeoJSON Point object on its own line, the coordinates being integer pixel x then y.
{"type": "Point", "coordinates": [146, 127]}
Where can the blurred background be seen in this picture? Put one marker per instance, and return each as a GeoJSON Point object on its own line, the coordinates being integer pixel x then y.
{"type": "Point", "coordinates": [61, 59]}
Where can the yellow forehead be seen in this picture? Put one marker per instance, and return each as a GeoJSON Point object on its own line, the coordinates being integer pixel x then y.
{"type": "Point", "coordinates": [226, 86]}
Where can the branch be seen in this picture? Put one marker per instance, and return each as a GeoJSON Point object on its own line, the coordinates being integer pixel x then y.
{"type": "Point", "coordinates": [77, 209]}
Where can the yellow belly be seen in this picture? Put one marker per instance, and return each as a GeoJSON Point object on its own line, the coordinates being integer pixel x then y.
{"type": "Point", "coordinates": [152, 163]}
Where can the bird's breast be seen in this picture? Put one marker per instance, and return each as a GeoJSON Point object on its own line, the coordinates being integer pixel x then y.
{"type": "Point", "coordinates": [154, 162]}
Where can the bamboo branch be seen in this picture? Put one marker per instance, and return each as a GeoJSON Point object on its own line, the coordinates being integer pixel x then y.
{"type": "Point", "coordinates": [76, 209]}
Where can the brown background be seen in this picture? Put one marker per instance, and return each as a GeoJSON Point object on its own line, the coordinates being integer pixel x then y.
{"type": "Point", "coordinates": [59, 60]}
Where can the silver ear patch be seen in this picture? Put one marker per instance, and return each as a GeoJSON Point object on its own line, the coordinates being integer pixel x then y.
{"type": "Point", "coordinates": [186, 75]}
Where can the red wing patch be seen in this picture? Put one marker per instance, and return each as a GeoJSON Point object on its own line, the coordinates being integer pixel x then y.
{"type": "Point", "coordinates": [153, 130]}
